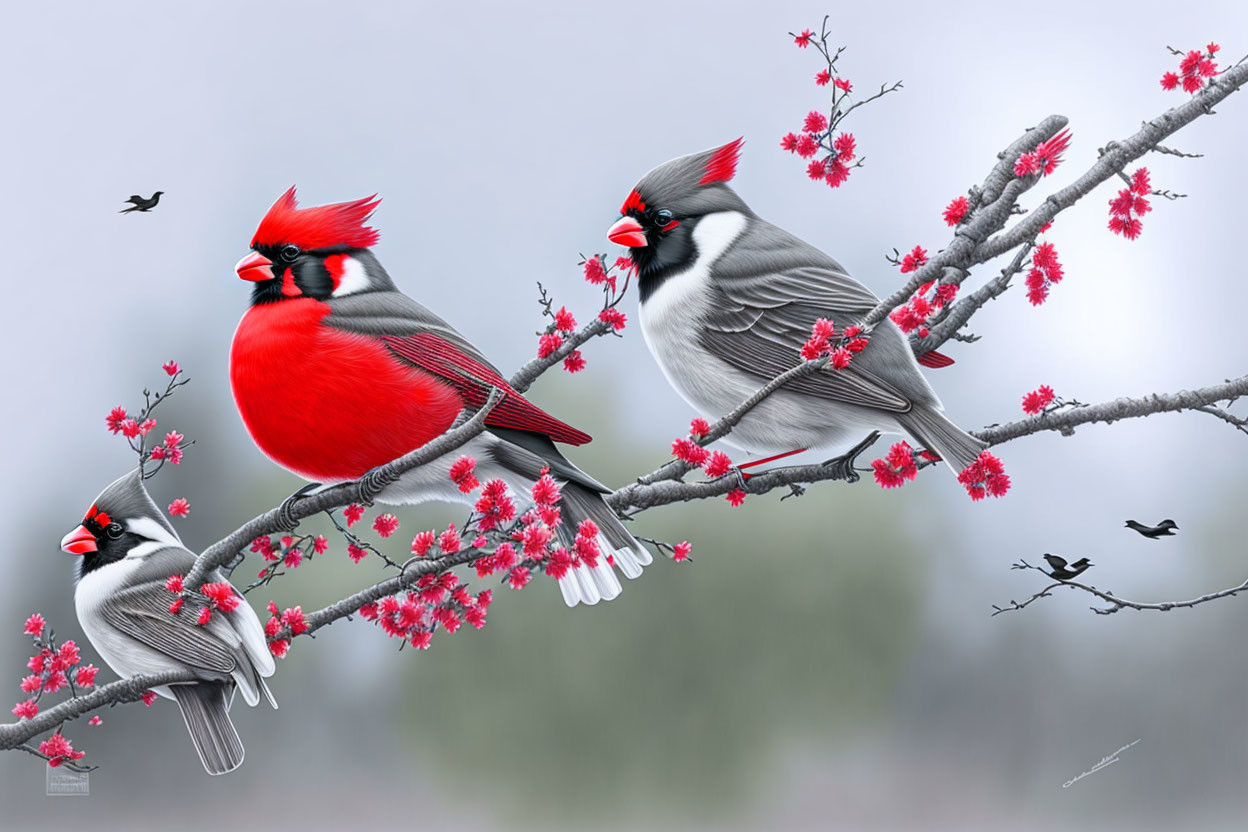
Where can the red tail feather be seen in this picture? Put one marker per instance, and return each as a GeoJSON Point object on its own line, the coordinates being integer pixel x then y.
{"type": "Point", "coordinates": [935, 360]}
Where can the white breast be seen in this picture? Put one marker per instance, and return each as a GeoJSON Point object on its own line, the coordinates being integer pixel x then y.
{"type": "Point", "coordinates": [671, 319]}
{"type": "Point", "coordinates": [126, 656]}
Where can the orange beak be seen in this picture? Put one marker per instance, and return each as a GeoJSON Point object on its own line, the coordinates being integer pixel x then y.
{"type": "Point", "coordinates": [627, 232]}
{"type": "Point", "coordinates": [255, 267]}
{"type": "Point", "coordinates": [79, 542]}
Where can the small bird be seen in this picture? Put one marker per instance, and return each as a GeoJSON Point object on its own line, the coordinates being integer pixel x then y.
{"type": "Point", "coordinates": [1165, 528]}
{"type": "Point", "coordinates": [141, 204]}
{"type": "Point", "coordinates": [128, 551]}
{"type": "Point", "coordinates": [1063, 572]}
{"type": "Point", "coordinates": [335, 372]}
{"type": "Point", "coordinates": [728, 300]}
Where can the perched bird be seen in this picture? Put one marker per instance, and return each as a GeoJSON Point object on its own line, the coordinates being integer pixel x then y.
{"type": "Point", "coordinates": [335, 372]}
{"type": "Point", "coordinates": [728, 300]}
{"type": "Point", "coordinates": [128, 551]}
{"type": "Point", "coordinates": [1165, 528]}
{"type": "Point", "coordinates": [141, 204]}
{"type": "Point", "coordinates": [1064, 572]}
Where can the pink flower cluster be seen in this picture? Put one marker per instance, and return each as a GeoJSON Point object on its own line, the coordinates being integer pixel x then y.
{"type": "Point", "coordinates": [985, 477]}
{"type": "Point", "coordinates": [179, 507]}
{"type": "Point", "coordinates": [1045, 158]}
{"type": "Point", "coordinates": [913, 315]}
{"type": "Point", "coordinates": [291, 618]}
{"type": "Point", "coordinates": [435, 601]}
{"type": "Point", "coordinates": [840, 149]}
{"type": "Point", "coordinates": [714, 464]}
{"type": "Point", "coordinates": [1195, 70]}
{"type": "Point", "coordinates": [171, 448]}
{"type": "Point", "coordinates": [119, 421]}
{"type": "Point", "coordinates": [221, 597]}
{"type": "Point", "coordinates": [52, 668]}
{"type": "Point", "coordinates": [597, 273]}
{"type": "Point", "coordinates": [1037, 400]}
{"type": "Point", "coordinates": [819, 134]}
{"type": "Point", "coordinates": [1046, 270]}
{"type": "Point", "coordinates": [1131, 203]}
{"type": "Point", "coordinates": [59, 750]}
{"type": "Point", "coordinates": [897, 467]}
{"type": "Point", "coordinates": [839, 347]}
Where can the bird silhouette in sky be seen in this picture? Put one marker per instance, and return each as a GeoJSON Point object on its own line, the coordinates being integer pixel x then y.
{"type": "Point", "coordinates": [1066, 572]}
{"type": "Point", "coordinates": [141, 204]}
{"type": "Point", "coordinates": [1162, 529]}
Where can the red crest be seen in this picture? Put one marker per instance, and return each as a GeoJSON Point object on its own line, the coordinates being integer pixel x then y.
{"type": "Point", "coordinates": [634, 202]}
{"type": "Point", "coordinates": [722, 165]}
{"type": "Point", "coordinates": [325, 226]}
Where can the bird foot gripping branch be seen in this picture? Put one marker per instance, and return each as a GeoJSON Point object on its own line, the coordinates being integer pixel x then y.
{"type": "Point", "coordinates": [843, 465]}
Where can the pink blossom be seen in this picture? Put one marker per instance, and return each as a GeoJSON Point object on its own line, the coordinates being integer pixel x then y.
{"type": "Point", "coordinates": [385, 525]}
{"type": "Point", "coordinates": [26, 710]}
{"type": "Point", "coordinates": [1036, 401]}
{"type": "Point", "coordinates": [115, 418]}
{"type": "Point", "coordinates": [614, 317]}
{"type": "Point", "coordinates": [179, 507]}
{"type": "Point", "coordinates": [564, 320]}
{"type": "Point", "coordinates": [34, 625]}
{"type": "Point", "coordinates": [422, 542]}
{"type": "Point", "coordinates": [549, 343]}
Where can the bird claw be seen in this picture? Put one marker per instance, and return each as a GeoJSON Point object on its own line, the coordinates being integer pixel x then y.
{"type": "Point", "coordinates": [285, 512]}
{"type": "Point", "coordinates": [843, 465]}
{"type": "Point", "coordinates": [374, 482]}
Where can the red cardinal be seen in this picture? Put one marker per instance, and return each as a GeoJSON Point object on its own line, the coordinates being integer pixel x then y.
{"type": "Point", "coordinates": [335, 371]}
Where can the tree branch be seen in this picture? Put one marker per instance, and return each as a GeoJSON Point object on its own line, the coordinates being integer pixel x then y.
{"type": "Point", "coordinates": [1115, 602]}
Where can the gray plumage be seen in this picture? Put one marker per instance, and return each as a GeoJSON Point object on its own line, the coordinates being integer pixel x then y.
{"type": "Point", "coordinates": [728, 300]}
{"type": "Point", "coordinates": [123, 606]}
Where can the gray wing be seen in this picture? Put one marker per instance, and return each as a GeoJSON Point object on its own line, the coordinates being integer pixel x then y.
{"type": "Point", "coordinates": [761, 321]}
{"type": "Point", "coordinates": [392, 313]}
{"type": "Point", "coordinates": [142, 613]}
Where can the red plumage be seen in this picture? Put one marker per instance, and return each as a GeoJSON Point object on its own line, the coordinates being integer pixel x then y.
{"type": "Point", "coordinates": [634, 202]}
{"type": "Point", "coordinates": [320, 227]}
{"type": "Point", "coordinates": [337, 404]}
{"type": "Point", "coordinates": [722, 165]}
{"type": "Point", "coordinates": [340, 403]}
{"type": "Point", "coordinates": [473, 380]}
{"type": "Point", "coordinates": [935, 360]}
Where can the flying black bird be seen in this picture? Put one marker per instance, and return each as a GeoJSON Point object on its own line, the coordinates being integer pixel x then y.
{"type": "Point", "coordinates": [1162, 529]}
{"type": "Point", "coordinates": [1064, 572]}
{"type": "Point", "coordinates": [141, 204]}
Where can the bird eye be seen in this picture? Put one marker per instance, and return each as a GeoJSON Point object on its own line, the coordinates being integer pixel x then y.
{"type": "Point", "coordinates": [114, 531]}
{"type": "Point", "coordinates": [662, 217]}
{"type": "Point", "coordinates": [290, 252]}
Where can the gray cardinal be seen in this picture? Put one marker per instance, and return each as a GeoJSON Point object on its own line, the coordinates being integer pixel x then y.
{"type": "Point", "coordinates": [728, 300]}
{"type": "Point", "coordinates": [128, 550]}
